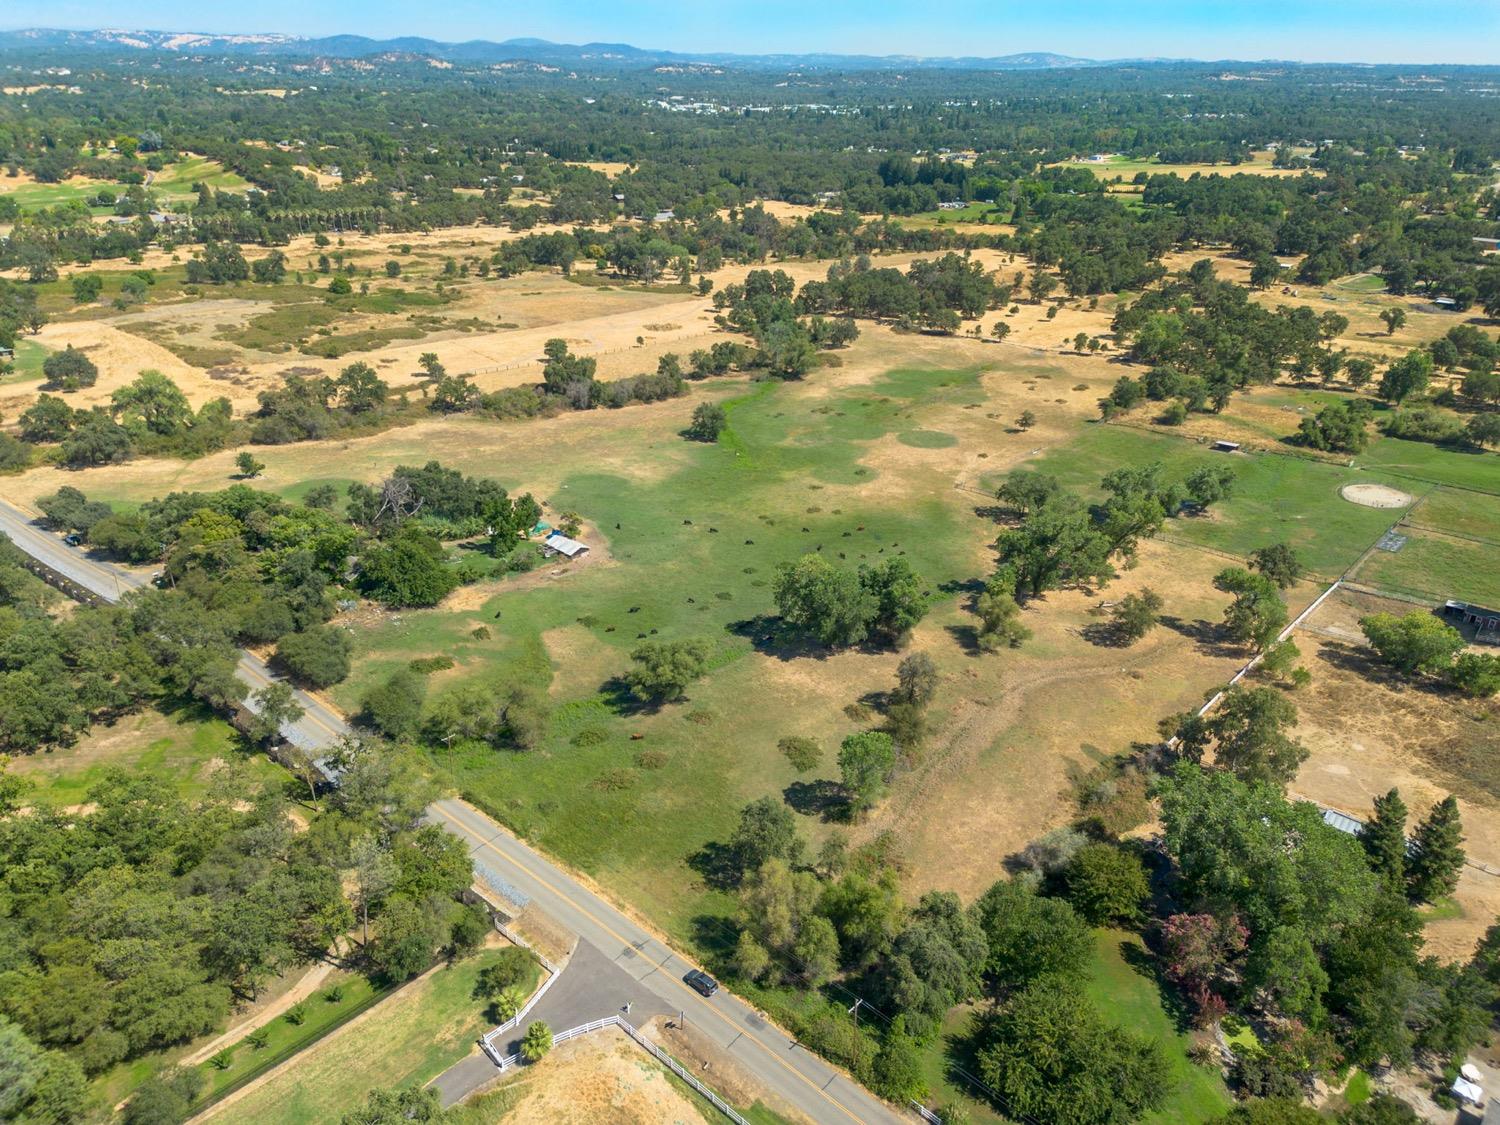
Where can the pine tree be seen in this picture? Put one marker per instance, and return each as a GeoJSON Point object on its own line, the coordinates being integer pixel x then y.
{"type": "Point", "coordinates": [1384, 838]}
{"type": "Point", "coordinates": [1437, 853]}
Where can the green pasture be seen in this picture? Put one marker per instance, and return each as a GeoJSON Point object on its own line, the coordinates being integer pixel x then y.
{"type": "Point", "coordinates": [176, 183]}
{"type": "Point", "coordinates": [1124, 986]}
{"type": "Point", "coordinates": [694, 551]}
{"type": "Point", "coordinates": [1421, 461]}
{"type": "Point", "coordinates": [1460, 512]}
{"type": "Point", "coordinates": [26, 367]}
{"type": "Point", "coordinates": [1437, 567]}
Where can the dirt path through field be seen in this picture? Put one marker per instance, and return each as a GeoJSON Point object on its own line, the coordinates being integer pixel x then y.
{"type": "Point", "coordinates": [311, 981]}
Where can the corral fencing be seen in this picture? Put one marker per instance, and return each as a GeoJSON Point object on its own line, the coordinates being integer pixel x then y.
{"type": "Point", "coordinates": [656, 1052]}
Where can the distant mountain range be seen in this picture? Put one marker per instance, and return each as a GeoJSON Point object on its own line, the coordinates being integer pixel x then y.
{"type": "Point", "coordinates": [479, 51]}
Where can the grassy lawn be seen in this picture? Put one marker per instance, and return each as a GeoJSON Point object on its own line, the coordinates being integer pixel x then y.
{"type": "Point", "coordinates": [1126, 992]}
{"type": "Point", "coordinates": [973, 213]}
{"type": "Point", "coordinates": [1427, 462]}
{"type": "Point", "coordinates": [284, 1038]}
{"type": "Point", "coordinates": [1362, 283]}
{"type": "Point", "coordinates": [1460, 512]}
{"type": "Point", "coordinates": [694, 539]}
{"type": "Point", "coordinates": [408, 1039]}
{"type": "Point", "coordinates": [172, 185]}
{"type": "Point", "coordinates": [1276, 498]}
{"type": "Point", "coordinates": [183, 750]}
{"type": "Point", "coordinates": [1437, 567]}
{"type": "Point", "coordinates": [1122, 985]}
{"type": "Point", "coordinates": [27, 365]}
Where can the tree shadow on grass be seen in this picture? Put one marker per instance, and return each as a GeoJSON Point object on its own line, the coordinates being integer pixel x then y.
{"type": "Point", "coordinates": [822, 798]}
{"type": "Point", "coordinates": [619, 698]}
{"type": "Point", "coordinates": [770, 637]}
{"type": "Point", "coordinates": [715, 937]}
{"type": "Point", "coordinates": [718, 865]}
{"type": "Point", "coordinates": [1211, 638]}
{"type": "Point", "coordinates": [1104, 634]}
{"type": "Point", "coordinates": [961, 1055]}
{"type": "Point", "coordinates": [1363, 662]}
{"type": "Point", "coordinates": [971, 586]}
{"type": "Point", "coordinates": [967, 637]}
{"type": "Point", "coordinates": [1145, 965]}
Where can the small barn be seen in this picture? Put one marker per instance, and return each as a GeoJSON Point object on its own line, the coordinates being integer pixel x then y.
{"type": "Point", "coordinates": [1484, 622]}
{"type": "Point", "coordinates": [559, 544]}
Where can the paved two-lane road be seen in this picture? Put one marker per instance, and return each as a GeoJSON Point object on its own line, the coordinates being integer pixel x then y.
{"type": "Point", "coordinates": [794, 1074]}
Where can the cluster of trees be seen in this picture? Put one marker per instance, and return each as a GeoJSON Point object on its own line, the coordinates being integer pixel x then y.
{"type": "Point", "coordinates": [933, 293]}
{"type": "Point", "coordinates": [1420, 646]}
{"type": "Point", "coordinates": [839, 607]}
{"type": "Point", "coordinates": [1057, 540]}
{"type": "Point", "coordinates": [238, 567]}
{"type": "Point", "coordinates": [1312, 929]}
{"type": "Point", "coordinates": [1023, 949]}
{"type": "Point", "coordinates": [144, 917]}
{"type": "Point", "coordinates": [149, 416]}
{"type": "Point", "coordinates": [1204, 338]}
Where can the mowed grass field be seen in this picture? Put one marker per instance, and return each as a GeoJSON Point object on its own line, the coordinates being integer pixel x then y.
{"type": "Point", "coordinates": [1437, 567]}
{"type": "Point", "coordinates": [26, 367]}
{"type": "Point", "coordinates": [406, 1040]}
{"type": "Point", "coordinates": [176, 183]}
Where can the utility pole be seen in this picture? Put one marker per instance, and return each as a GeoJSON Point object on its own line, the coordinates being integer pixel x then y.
{"type": "Point", "coordinates": [854, 1011]}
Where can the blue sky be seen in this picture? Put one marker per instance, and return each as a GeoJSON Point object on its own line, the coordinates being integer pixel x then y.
{"type": "Point", "coordinates": [1331, 30]}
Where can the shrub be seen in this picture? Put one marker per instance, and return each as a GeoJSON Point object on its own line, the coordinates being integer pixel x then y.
{"type": "Point", "coordinates": [536, 1042]}
{"type": "Point", "coordinates": [709, 421]}
{"type": "Point", "coordinates": [296, 1014]}
{"type": "Point", "coordinates": [1106, 884]}
{"type": "Point", "coordinates": [804, 754]}
{"type": "Point", "coordinates": [69, 369]}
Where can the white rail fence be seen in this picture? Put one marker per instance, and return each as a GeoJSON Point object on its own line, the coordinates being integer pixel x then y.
{"type": "Point", "coordinates": [656, 1052]}
{"type": "Point", "coordinates": [488, 1042]}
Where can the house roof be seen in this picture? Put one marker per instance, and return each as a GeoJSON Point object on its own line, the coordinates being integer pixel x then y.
{"type": "Point", "coordinates": [1341, 822]}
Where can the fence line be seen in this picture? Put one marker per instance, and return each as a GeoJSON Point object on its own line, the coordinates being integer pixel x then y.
{"type": "Point", "coordinates": [1258, 657]}
{"type": "Point", "coordinates": [487, 1040]}
{"type": "Point", "coordinates": [925, 1114]}
{"type": "Point", "coordinates": [656, 1052]}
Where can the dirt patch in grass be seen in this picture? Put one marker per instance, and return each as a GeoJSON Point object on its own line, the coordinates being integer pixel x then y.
{"type": "Point", "coordinates": [598, 1079]}
{"type": "Point", "coordinates": [1375, 495]}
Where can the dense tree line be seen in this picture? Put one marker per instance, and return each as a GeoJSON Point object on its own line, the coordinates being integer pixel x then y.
{"type": "Point", "coordinates": [133, 925]}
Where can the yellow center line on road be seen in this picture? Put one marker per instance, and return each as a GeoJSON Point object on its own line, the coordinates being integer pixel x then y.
{"type": "Point", "coordinates": [626, 942]}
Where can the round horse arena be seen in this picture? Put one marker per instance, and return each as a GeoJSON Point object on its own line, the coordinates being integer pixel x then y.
{"type": "Point", "coordinates": [1375, 495]}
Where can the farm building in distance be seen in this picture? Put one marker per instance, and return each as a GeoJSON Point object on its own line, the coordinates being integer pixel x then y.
{"type": "Point", "coordinates": [559, 544]}
{"type": "Point", "coordinates": [1484, 622]}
